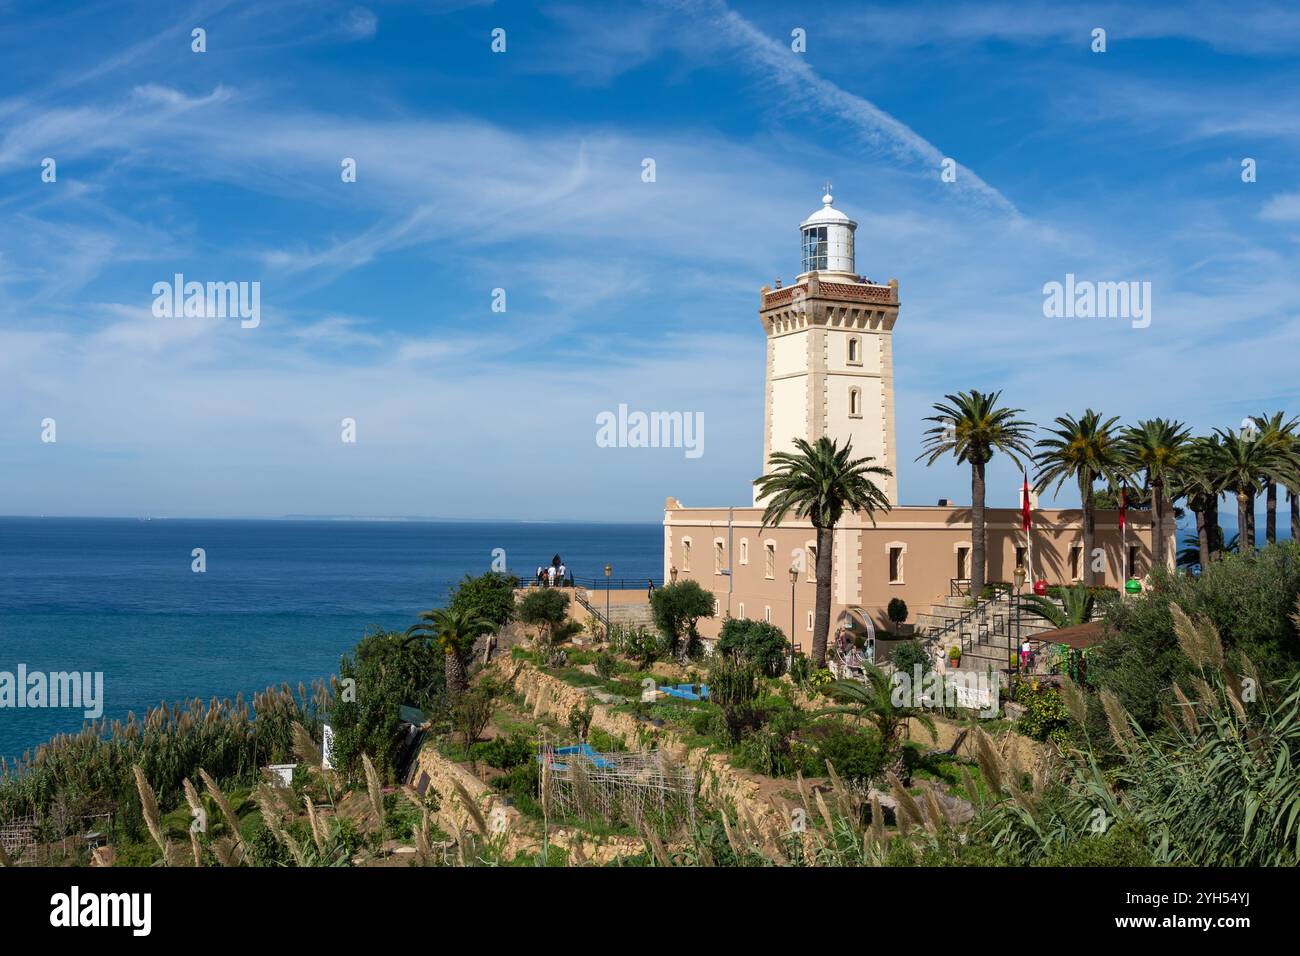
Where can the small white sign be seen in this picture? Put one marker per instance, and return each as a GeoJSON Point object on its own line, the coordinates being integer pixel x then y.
{"type": "Point", "coordinates": [327, 748]}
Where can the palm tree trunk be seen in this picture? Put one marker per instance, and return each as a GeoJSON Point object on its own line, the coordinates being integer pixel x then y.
{"type": "Point", "coordinates": [1295, 514]}
{"type": "Point", "coordinates": [977, 529]}
{"type": "Point", "coordinates": [1089, 533]}
{"type": "Point", "coordinates": [1212, 527]}
{"type": "Point", "coordinates": [1270, 520]}
{"type": "Point", "coordinates": [1243, 511]}
{"type": "Point", "coordinates": [457, 679]}
{"type": "Point", "coordinates": [1203, 536]}
{"type": "Point", "coordinates": [1158, 523]}
{"type": "Point", "coordinates": [822, 616]}
{"type": "Point", "coordinates": [1248, 535]}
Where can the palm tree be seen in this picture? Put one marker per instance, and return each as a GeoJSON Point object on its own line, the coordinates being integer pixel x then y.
{"type": "Point", "coordinates": [1276, 430]}
{"type": "Point", "coordinates": [454, 631]}
{"type": "Point", "coordinates": [971, 426]}
{"type": "Point", "coordinates": [1085, 449]}
{"type": "Point", "coordinates": [873, 701]}
{"type": "Point", "coordinates": [1244, 463]}
{"type": "Point", "coordinates": [1159, 448]}
{"type": "Point", "coordinates": [1076, 607]}
{"type": "Point", "coordinates": [1197, 483]}
{"type": "Point", "coordinates": [819, 483]}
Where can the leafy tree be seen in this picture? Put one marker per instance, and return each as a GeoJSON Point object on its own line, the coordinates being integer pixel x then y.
{"type": "Point", "coordinates": [1086, 450]}
{"type": "Point", "coordinates": [676, 609]}
{"type": "Point", "coordinates": [759, 642]}
{"type": "Point", "coordinates": [547, 608]}
{"type": "Point", "coordinates": [819, 483]}
{"type": "Point", "coordinates": [971, 426]}
{"type": "Point", "coordinates": [897, 612]}
{"type": "Point", "coordinates": [488, 597]}
{"type": "Point", "coordinates": [389, 673]}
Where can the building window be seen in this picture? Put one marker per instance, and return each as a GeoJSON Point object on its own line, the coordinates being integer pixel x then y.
{"type": "Point", "coordinates": [719, 556]}
{"type": "Point", "coordinates": [810, 559]}
{"type": "Point", "coordinates": [744, 551]}
{"type": "Point", "coordinates": [717, 607]}
{"type": "Point", "coordinates": [810, 620]}
{"type": "Point", "coordinates": [963, 564]}
{"type": "Point", "coordinates": [1132, 560]}
{"type": "Point", "coordinates": [1076, 556]}
{"type": "Point", "coordinates": [767, 614]}
{"type": "Point", "coordinates": [855, 403]}
{"type": "Point", "coordinates": [740, 610]}
{"type": "Point", "coordinates": [855, 350]}
{"type": "Point", "coordinates": [686, 554]}
{"type": "Point", "coordinates": [1020, 556]}
{"type": "Point", "coordinates": [814, 248]}
{"type": "Point", "coordinates": [769, 560]}
{"type": "Point", "coordinates": [896, 564]}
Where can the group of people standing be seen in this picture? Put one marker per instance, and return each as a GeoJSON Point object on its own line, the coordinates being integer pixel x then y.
{"type": "Point", "coordinates": [553, 575]}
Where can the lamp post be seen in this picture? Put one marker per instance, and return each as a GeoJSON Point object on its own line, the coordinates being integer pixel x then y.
{"type": "Point", "coordinates": [794, 576]}
{"type": "Point", "coordinates": [608, 571]}
{"type": "Point", "coordinates": [1020, 583]}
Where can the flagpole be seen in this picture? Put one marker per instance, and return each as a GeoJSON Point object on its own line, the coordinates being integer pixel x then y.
{"type": "Point", "coordinates": [1123, 521]}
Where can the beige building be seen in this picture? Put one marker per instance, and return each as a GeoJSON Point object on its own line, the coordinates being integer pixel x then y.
{"type": "Point", "coordinates": [830, 372]}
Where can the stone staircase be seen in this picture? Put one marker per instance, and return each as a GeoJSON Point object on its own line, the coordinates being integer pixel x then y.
{"type": "Point", "coordinates": [630, 613]}
{"type": "Point", "coordinates": [986, 631]}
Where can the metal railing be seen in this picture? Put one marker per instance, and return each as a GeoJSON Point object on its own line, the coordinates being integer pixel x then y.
{"type": "Point", "coordinates": [594, 584]}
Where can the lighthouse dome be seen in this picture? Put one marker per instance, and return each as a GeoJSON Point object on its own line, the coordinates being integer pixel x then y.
{"type": "Point", "coordinates": [827, 237]}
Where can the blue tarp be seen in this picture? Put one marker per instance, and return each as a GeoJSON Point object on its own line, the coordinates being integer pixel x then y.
{"type": "Point", "coordinates": [585, 749]}
{"type": "Point", "coordinates": [687, 691]}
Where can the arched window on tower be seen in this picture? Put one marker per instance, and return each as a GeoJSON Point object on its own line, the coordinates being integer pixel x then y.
{"type": "Point", "coordinates": [855, 403]}
{"type": "Point", "coordinates": [855, 350]}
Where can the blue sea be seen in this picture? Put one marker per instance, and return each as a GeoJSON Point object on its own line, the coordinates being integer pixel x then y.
{"type": "Point", "coordinates": [279, 600]}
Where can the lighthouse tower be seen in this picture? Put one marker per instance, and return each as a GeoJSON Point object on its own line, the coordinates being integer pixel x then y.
{"type": "Point", "coordinates": [830, 367]}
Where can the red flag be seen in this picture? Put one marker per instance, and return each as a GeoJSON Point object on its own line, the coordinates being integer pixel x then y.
{"type": "Point", "coordinates": [1024, 507]}
{"type": "Point", "coordinates": [1123, 506]}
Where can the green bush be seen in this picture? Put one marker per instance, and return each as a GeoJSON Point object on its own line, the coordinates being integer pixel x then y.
{"type": "Point", "coordinates": [762, 644]}
{"type": "Point", "coordinates": [1248, 599]}
{"type": "Point", "coordinates": [1046, 717]}
{"type": "Point", "coordinates": [504, 753]}
{"type": "Point", "coordinates": [857, 755]}
{"type": "Point", "coordinates": [907, 655]}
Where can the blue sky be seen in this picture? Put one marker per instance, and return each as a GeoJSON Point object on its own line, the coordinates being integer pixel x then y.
{"type": "Point", "coordinates": [522, 171]}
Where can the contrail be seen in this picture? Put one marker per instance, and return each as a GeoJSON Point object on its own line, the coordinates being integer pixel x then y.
{"type": "Point", "coordinates": [799, 81]}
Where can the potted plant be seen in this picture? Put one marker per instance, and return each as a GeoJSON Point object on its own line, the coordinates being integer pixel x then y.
{"type": "Point", "coordinates": [954, 656]}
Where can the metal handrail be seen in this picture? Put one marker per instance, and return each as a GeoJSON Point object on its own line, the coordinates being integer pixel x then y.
{"type": "Point", "coordinates": [595, 583]}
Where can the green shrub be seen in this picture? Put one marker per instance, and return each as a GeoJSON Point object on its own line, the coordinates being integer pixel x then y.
{"type": "Point", "coordinates": [857, 755]}
{"type": "Point", "coordinates": [505, 753]}
{"type": "Point", "coordinates": [1046, 717]}
{"type": "Point", "coordinates": [762, 644]}
{"type": "Point", "coordinates": [910, 653]}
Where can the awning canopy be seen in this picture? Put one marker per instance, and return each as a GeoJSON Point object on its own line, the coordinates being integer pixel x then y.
{"type": "Point", "coordinates": [1078, 637]}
